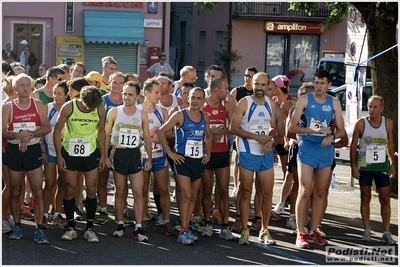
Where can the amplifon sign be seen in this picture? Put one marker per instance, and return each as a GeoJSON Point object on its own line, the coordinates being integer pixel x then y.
{"type": "Point", "coordinates": [293, 27]}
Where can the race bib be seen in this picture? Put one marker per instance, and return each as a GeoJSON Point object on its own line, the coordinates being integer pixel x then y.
{"type": "Point", "coordinates": [375, 154]}
{"type": "Point", "coordinates": [213, 126]}
{"type": "Point", "coordinates": [258, 129]}
{"type": "Point", "coordinates": [128, 138]}
{"type": "Point", "coordinates": [79, 147]}
{"type": "Point", "coordinates": [22, 126]}
{"type": "Point", "coordinates": [317, 124]}
{"type": "Point", "coordinates": [194, 149]}
{"type": "Point", "coordinates": [156, 150]}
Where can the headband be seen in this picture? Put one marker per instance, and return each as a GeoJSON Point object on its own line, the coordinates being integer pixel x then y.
{"type": "Point", "coordinates": [165, 77]}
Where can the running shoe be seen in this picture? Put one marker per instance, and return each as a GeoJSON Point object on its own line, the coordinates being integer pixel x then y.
{"type": "Point", "coordinates": [26, 214]}
{"type": "Point", "coordinates": [195, 223]}
{"type": "Point", "coordinates": [387, 238]}
{"type": "Point", "coordinates": [305, 229]}
{"type": "Point", "coordinates": [120, 232]}
{"type": "Point", "coordinates": [316, 238]}
{"type": "Point", "coordinates": [150, 216]}
{"type": "Point", "coordinates": [208, 231]}
{"type": "Point", "coordinates": [69, 234]}
{"type": "Point", "coordinates": [366, 235]}
{"type": "Point", "coordinates": [274, 217]}
{"type": "Point", "coordinates": [103, 218]}
{"type": "Point", "coordinates": [26, 199]}
{"type": "Point", "coordinates": [185, 239]}
{"type": "Point", "coordinates": [11, 222]}
{"type": "Point", "coordinates": [319, 230]}
{"type": "Point", "coordinates": [140, 236]}
{"type": "Point", "coordinates": [145, 226]}
{"type": "Point", "coordinates": [177, 227]}
{"type": "Point", "coordinates": [16, 233]}
{"type": "Point", "coordinates": [226, 234]}
{"type": "Point", "coordinates": [45, 223]}
{"type": "Point", "coordinates": [256, 226]}
{"type": "Point", "coordinates": [168, 229]}
{"type": "Point", "coordinates": [291, 223]}
{"type": "Point", "coordinates": [40, 237]}
{"type": "Point", "coordinates": [6, 227]}
{"type": "Point", "coordinates": [301, 240]}
{"type": "Point", "coordinates": [127, 221]}
{"type": "Point", "coordinates": [91, 236]}
{"type": "Point", "coordinates": [80, 207]}
{"type": "Point", "coordinates": [192, 236]}
{"type": "Point", "coordinates": [237, 226]}
{"type": "Point", "coordinates": [51, 215]}
{"type": "Point", "coordinates": [160, 220]}
{"type": "Point", "coordinates": [265, 237]}
{"type": "Point", "coordinates": [279, 209]}
{"type": "Point", "coordinates": [216, 217]}
{"type": "Point", "coordinates": [78, 215]}
{"type": "Point", "coordinates": [244, 238]}
{"type": "Point", "coordinates": [59, 221]}
{"type": "Point", "coordinates": [252, 214]}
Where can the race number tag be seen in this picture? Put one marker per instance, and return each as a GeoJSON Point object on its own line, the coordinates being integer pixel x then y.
{"type": "Point", "coordinates": [21, 126]}
{"type": "Point", "coordinates": [194, 149]}
{"type": "Point", "coordinates": [258, 129]}
{"type": "Point", "coordinates": [128, 138]}
{"type": "Point", "coordinates": [79, 147]}
{"type": "Point", "coordinates": [156, 151]}
{"type": "Point", "coordinates": [376, 154]}
{"type": "Point", "coordinates": [213, 126]}
{"type": "Point", "coordinates": [318, 124]}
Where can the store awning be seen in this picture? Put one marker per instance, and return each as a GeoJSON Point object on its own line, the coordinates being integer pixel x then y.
{"type": "Point", "coordinates": [120, 27]}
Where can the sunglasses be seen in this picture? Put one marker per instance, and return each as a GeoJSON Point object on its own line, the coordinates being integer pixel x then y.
{"type": "Point", "coordinates": [248, 75]}
{"type": "Point", "coordinates": [58, 79]}
{"type": "Point", "coordinates": [163, 58]}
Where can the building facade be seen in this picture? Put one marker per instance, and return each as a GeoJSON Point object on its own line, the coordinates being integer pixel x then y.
{"type": "Point", "coordinates": [264, 34]}
{"type": "Point", "coordinates": [134, 33]}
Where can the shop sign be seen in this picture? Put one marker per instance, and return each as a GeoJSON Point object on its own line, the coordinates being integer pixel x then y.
{"type": "Point", "coordinates": [152, 23]}
{"type": "Point", "coordinates": [115, 4]}
{"type": "Point", "coordinates": [69, 16]}
{"type": "Point", "coordinates": [293, 27]}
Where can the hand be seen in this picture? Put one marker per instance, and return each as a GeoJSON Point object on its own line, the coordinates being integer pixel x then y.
{"type": "Point", "coordinates": [25, 136]}
{"type": "Point", "coordinates": [276, 160]}
{"type": "Point", "coordinates": [153, 132]}
{"type": "Point", "coordinates": [45, 161]}
{"type": "Point", "coordinates": [205, 159]}
{"type": "Point", "coordinates": [262, 138]}
{"type": "Point", "coordinates": [327, 141]}
{"type": "Point", "coordinates": [286, 146]}
{"type": "Point", "coordinates": [61, 163]}
{"type": "Point", "coordinates": [102, 163]}
{"type": "Point", "coordinates": [148, 165]}
{"type": "Point", "coordinates": [219, 130]}
{"type": "Point", "coordinates": [355, 172]}
{"type": "Point", "coordinates": [108, 162]}
{"type": "Point", "coordinates": [267, 148]}
{"type": "Point", "coordinates": [323, 130]}
{"type": "Point", "coordinates": [178, 159]}
{"type": "Point", "coordinates": [216, 138]}
{"type": "Point", "coordinates": [392, 171]}
{"type": "Point", "coordinates": [23, 146]}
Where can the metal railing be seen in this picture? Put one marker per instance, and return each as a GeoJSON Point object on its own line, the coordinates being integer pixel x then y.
{"type": "Point", "coordinates": [277, 9]}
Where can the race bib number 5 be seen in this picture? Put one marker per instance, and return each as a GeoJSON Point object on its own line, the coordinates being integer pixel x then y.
{"type": "Point", "coordinates": [375, 154]}
{"type": "Point", "coordinates": [194, 149]}
{"type": "Point", "coordinates": [128, 138]}
{"type": "Point", "coordinates": [79, 147]}
{"type": "Point", "coordinates": [258, 129]}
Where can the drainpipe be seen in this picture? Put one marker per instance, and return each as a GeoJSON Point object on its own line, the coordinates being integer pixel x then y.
{"type": "Point", "coordinates": [163, 28]}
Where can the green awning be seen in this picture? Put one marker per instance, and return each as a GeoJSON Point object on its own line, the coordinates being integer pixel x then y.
{"type": "Point", "coordinates": [119, 27]}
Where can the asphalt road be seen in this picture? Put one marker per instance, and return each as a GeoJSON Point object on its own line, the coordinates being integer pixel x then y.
{"type": "Point", "coordinates": [342, 224]}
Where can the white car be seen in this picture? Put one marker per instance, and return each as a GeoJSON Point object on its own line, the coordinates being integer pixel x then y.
{"type": "Point", "coordinates": [343, 153]}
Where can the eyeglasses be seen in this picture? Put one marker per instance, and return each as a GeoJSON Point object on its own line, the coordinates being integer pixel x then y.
{"type": "Point", "coordinates": [58, 79]}
{"type": "Point", "coordinates": [248, 75]}
{"type": "Point", "coordinates": [162, 58]}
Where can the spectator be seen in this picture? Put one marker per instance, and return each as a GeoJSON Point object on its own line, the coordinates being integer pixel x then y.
{"type": "Point", "coordinates": [77, 70]}
{"type": "Point", "coordinates": [17, 68]}
{"type": "Point", "coordinates": [42, 70]}
{"type": "Point", "coordinates": [160, 66]}
{"type": "Point", "coordinates": [24, 57]}
{"type": "Point", "coordinates": [6, 51]}
{"type": "Point", "coordinates": [65, 68]}
{"type": "Point", "coordinates": [11, 57]}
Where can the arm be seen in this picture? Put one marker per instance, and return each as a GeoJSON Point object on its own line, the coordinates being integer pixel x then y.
{"type": "Point", "coordinates": [46, 127]}
{"type": "Point", "coordinates": [344, 141]}
{"type": "Point", "coordinates": [232, 101]}
{"type": "Point", "coordinates": [206, 157]}
{"type": "Point", "coordinates": [180, 101]}
{"type": "Point", "coordinates": [280, 126]}
{"type": "Point", "coordinates": [341, 132]}
{"type": "Point", "coordinates": [111, 116]}
{"type": "Point", "coordinates": [272, 131]}
{"type": "Point", "coordinates": [234, 93]}
{"type": "Point", "coordinates": [65, 112]}
{"type": "Point", "coordinates": [390, 148]}
{"type": "Point", "coordinates": [101, 137]}
{"type": "Point", "coordinates": [147, 140]}
{"type": "Point", "coordinates": [150, 71]}
{"type": "Point", "coordinates": [169, 134]}
{"type": "Point", "coordinates": [358, 128]}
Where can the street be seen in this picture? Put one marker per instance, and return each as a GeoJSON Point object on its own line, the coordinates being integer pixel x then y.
{"type": "Point", "coordinates": [342, 224]}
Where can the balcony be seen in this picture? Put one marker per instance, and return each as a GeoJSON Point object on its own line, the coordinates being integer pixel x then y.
{"type": "Point", "coordinates": [277, 11]}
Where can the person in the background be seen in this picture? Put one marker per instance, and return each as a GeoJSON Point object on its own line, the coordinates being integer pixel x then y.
{"type": "Point", "coordinates": [135, 78]}
{"type": "Point", "coordinates": [42, 70]}
{"type": "Point", "coordinates": [54, 75]}
{"type": "Point", "coordinates": [39, 83]}
{"type": "Point", "coordinates": [282, 92]}
{"type": "Point", "coordinates": [160, 66]}
{"type": "Point", "coordinates": [18, 68]}
{"type": "Point", "coordinates": [65, 68]}
{"type": "Point", "coordinates": [6, 51]}
{"type": "Point", "coordinates": [11, 57]}
{"type": "Point", "coordinates": [109, 66]}
{"type": "Point", "coordinates": [23, 58]}
{"type": "Point", "coordinates": [94, 79]}
{"type": "Point", "coordinates": [77, 70]}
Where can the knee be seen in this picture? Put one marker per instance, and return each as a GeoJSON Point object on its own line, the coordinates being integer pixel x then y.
{"type": "Point", "coordinates": [224, 192]}
{"type": "Point", "coordinates": [304, 193]}
{"type": "Point", "coordinates": [385, 201]}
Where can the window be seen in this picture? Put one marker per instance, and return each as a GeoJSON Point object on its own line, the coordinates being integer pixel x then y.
{"type": "Point", "coordinates": [219, 41]}
{"type": "Point", "coordinates": [202, 48]}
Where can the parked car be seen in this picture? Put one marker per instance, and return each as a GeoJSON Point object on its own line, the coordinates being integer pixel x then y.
{"type": "Point", "coordinates": [340, 92]}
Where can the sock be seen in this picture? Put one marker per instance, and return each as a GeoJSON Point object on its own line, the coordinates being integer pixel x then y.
{"type": "Point", "coordinates": [89, 224]}
{"type": "Point", "coordinates": [120, 226]}
{"type": "Point", "coordinates": [224, 226]}
{"type": "Point", "coordinates": [121, 222]}
{"type": "Point", "coordinates": [137, 226]}
{"type": "Point", "coordinates": [18, 224]}
{"type": "Point", "coordinates": [71, 224]}
{"type": "Point", "coordinates": [103, 209]}
{"type": "Point", "coordinates": [157, 198]}
{"type": "Point", "coordinates": [311, 232]}
{"type": "Point", "coordinates": [90, 205]}
{"type": "Point", "coordinates": [69, 208]}
{"type": "Point", "coordinates": [256, 218]}
{"type": "Point", "coordinates": [39, 227]}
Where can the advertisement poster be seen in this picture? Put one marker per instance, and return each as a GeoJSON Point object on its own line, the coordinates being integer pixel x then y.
{"type": "Point", "coordinates": [69, 50]}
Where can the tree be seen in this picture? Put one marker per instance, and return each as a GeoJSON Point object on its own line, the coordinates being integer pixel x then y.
{"type": "Point", "coordinates": [382, 34]}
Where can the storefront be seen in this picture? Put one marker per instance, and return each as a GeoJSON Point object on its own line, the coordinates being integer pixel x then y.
{"type": "Point", "coordinates": [292, 48]}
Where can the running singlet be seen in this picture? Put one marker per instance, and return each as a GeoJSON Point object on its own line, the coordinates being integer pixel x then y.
{"type": "Point", "coordinates": [52, 115]}
{"type": "Point", "coordinates": [315, 116]}
{"type": "Point", "coordinates": [373, 143]}
{"type": "Point", "coordinates": [127, 130]}
{"type": "Point", "coordinates": [177, 89]}
{"type": "Point", "coordinates": [43, 97]}
{"type": "Point", "coordinates": [174, 103]}
{"type": "Point", "coordinates": [24, 119]}
{"type": "Point", "coordinates": [80, 138]}
{"type": "Point", "coordinates": [155, 121]}
{"type": "Point", "coordinates": [218, 117]}
{"type": "Point", "coordinates": [109, 105]}
{"type": "Point", "coordinates": [189, 137]}
{"type": "Point", "coordinates": [242, 91]}
{"type": "Point", "coordinates": [255, 120]}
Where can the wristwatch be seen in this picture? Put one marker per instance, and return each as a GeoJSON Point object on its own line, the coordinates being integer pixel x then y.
{"type": "Point", "coordinates": [271, 138]}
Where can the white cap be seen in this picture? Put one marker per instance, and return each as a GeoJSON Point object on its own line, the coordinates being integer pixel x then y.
{"type": "Point", "coordinates": [24, 42]}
